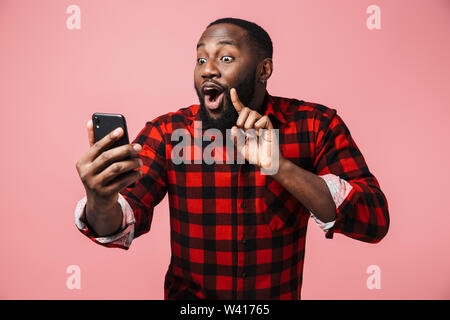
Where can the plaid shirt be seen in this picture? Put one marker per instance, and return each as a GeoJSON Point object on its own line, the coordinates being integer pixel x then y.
{"type": "Point", "coordinates": [236, 233]}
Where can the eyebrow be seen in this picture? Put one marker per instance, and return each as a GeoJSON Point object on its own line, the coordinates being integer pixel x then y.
{"type": "Point", "coordinates": [223, 42]}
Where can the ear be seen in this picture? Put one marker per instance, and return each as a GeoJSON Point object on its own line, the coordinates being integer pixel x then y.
{"type": "Point", "coordinates": [265, 69]}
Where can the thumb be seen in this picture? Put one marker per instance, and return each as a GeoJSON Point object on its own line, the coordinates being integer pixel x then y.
{"type": "Point", "coordinates": [90, 130]}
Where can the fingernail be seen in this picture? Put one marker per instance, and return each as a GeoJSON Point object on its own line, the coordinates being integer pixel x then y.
{"type": "Point", "coordinates": [137, 147]}
{"type": "Point", "coordinates": [140, 163]}
{"type": "Point", "coordinates": [116, 132]}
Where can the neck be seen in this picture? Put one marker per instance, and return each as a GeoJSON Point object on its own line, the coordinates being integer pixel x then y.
{"type": "Point", "coordinates": [258, 99]}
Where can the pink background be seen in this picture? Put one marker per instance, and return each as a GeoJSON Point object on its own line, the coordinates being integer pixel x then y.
{"type": "Point", "coordinates": [391, 87]}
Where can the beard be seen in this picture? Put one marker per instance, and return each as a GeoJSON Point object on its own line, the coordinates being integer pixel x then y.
{"type": "Point", "coordinates": [245, 90]}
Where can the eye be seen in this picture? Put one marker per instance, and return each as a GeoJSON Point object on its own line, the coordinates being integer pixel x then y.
{"type": "Point", "coordinates": [227, 59]}
{"type": "Point", "coordinates": [201, 60]}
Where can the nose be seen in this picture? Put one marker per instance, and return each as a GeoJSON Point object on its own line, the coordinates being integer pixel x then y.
{"type": "Point", "coordinates": [210, 69]}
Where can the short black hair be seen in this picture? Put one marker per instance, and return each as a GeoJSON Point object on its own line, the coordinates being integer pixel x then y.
{"type": "Point", "coordinates": [257, 35]}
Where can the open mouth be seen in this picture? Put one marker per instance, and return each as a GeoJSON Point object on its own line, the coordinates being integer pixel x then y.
{"type": "Point", "coordinates": [213, 97]}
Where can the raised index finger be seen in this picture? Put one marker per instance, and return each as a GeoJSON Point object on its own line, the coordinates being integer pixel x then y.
{"type": "Point", "coordinates": [235, 100]}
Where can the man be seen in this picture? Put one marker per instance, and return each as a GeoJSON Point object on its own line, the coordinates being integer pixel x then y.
{"type": "Point", "coordinates": [236, 233]}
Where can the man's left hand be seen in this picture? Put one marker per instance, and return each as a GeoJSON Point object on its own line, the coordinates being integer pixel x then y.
{"type": "Point", "coordinates": [255, 127]}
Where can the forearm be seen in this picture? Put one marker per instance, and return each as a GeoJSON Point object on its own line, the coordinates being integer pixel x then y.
{"type": "Point", "coordinates": [308, 188]}
{"type": "Point", "coordinates": [104, 221]}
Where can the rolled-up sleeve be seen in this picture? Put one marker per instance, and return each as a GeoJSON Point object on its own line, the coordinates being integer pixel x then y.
{"type": "Point", "coordinates": [339, 190]}
{"type": "Point", "coordinates": [121, 239]}
{"type": "Point", "coordinates": [361, 206]}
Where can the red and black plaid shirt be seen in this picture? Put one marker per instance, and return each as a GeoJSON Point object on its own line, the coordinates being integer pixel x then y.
{"type": "Point", "coordinates": [236, 233]}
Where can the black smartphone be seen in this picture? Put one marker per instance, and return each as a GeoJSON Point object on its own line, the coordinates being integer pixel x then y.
{"type": "Point", "coordinates": [104, 123]}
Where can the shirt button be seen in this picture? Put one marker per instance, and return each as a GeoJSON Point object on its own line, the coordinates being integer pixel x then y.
{"type": "Point", "coordinates": [244, 241]}
{"type": "Point", "coordinates": [243, 205]}
{"type": "Point", "coordinates": [244, 274]}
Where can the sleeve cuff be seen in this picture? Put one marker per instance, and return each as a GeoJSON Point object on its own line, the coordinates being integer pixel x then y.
{"type": "Point", "coordinates": [339, 189]}
{"type": "Point", "coordinates": [122, 238]}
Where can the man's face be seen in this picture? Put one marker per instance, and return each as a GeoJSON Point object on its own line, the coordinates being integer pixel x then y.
{"type": "Point", "coordinates": [225, 60]}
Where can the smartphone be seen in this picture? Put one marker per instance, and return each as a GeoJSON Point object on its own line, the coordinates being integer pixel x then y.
{"type": "Point", "coordinates": [104, 123]}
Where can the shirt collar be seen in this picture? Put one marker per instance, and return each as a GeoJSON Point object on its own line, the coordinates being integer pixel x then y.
{"type": "Point", "coordinates": [272, 108]}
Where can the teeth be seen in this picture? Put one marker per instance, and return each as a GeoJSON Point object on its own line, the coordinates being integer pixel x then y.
{"type": "Point", "coordinates": [210, 90]}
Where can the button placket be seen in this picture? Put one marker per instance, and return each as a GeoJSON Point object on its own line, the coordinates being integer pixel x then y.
{"type": "Point", "coordinates": [245, 174]}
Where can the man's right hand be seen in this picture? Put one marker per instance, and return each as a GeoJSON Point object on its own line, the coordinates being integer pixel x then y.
{"type": "Point", "coordinates": [104, 172]}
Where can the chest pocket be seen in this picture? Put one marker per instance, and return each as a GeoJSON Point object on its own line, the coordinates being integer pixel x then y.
{"type": "Point", "coordinates": [283, 212]}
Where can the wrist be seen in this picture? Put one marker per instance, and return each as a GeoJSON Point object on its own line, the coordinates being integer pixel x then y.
{"type": "Point", "coordinates": [101, 206]}
{"type": "Point", "coordinates": [283, 168]}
